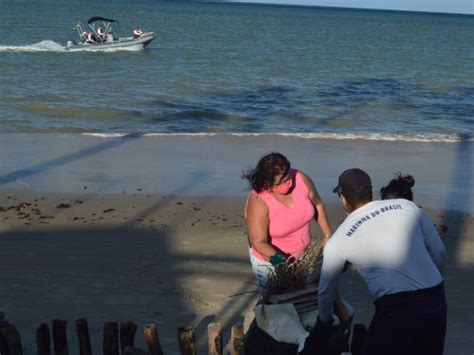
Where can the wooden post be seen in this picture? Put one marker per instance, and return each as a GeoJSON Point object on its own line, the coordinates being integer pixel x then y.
{"type": "Point", "coordinates": [127, 334]}
{"type": "Point", "coordinates": [151, 337]}
{"type": "Point", "coordinates": [83, 338]}
{"type": "Point", "coordinates": [111, 341]}
{"type": "Point", "coordinates": [237, 339]}
{"type": "Point", "coordinates": [214, 333]}
{"type": "Point", "coordinates": [358, 336]}
{"type": "Point", "coordinates": [13, 340]}
{"type": "Point", "coordinates": [43, 340]}
{"type": "Point", "coordinates": [60, 337]}
{"type": "Point", "coordinates": [187, 341]}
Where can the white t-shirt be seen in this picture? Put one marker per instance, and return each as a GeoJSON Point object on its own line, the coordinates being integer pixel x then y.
{"type": "Point", "coordinates": [392, 244]}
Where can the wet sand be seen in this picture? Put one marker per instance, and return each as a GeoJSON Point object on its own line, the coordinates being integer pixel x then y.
{"type": "Point", "coordinates": [154, 232]}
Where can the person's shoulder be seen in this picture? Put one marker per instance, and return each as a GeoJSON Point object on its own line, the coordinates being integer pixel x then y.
{"type": "Point", "coordinates": [255, 203]}
{"type": "Point", "coordinates": [335, 246]}
{"type": "Point", "coordinates": [410, 205]}
{"type": "Point", "coordinates": [353, 217]}
{"type": "Point", "coordinates": [339, 232]}
{"type": "Point", "coordinates": [403, 203]}
{"type": "Point", "coordinates": [256, 198]}
{"type": "Point", "coordinates": [300, 173]}
{"type": "Point", "coordinates": [305, 178]}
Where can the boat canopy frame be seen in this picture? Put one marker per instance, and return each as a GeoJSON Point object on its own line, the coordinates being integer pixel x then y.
{"type": "Point", "coordinates": [106, 23]}
{"type": "Point", "coordinates": [97, 18]}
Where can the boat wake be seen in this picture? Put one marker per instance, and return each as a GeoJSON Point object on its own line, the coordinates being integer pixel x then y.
{"type": "Point", "coordinates": [43, 46]}
{"type": "Point", "coordinates": [51, 46]}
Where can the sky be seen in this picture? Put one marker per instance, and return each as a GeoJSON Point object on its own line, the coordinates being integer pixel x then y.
{"type": "Point", "coordinates": [448, 6]}
{"type": "Point", "coordinates": [444, 6]}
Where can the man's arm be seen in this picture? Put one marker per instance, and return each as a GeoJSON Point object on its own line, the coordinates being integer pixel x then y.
{"type": "Point", "coordinates": [433, 242]}
{"type": "Point", "coordinates": [330, 275]}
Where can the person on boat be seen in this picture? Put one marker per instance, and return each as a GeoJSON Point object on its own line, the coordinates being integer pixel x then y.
{"type": "Point", "coordinates": [101, 32]}
{"type": "Point", "coordinates": [89, 38]}
{"type": "Point", "coordinates": [137, 32]}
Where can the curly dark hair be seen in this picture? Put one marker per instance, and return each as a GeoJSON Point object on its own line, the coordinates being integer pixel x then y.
{"type": "Point", "coordinates": [263, 175]}
{"type": "Point", "coordinates": [400, 187]}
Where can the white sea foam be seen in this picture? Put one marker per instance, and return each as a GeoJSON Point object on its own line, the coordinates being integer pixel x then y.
{"type": "Point", "coordinates": [43, 46]}
{"type": "Point", "coordinates": [402, 137]}
{"type": "Point", "coordinates": [106, 135]}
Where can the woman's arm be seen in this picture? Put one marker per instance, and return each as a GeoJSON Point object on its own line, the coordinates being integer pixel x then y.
{"type": "Point", "coordinates": [257, 224]}
{"type": "Point", "coordinates": [320, 215]}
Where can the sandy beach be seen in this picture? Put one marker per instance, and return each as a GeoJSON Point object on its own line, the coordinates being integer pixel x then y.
{"type": "Point", "coordinates": [151, 229]}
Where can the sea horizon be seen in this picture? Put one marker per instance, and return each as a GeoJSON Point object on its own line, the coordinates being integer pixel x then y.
{"type": "Point", "coordinates": [245, 2]}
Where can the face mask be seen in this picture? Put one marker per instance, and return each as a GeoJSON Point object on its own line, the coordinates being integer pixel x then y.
{"type": "Point", "coordinates": [283, 189]}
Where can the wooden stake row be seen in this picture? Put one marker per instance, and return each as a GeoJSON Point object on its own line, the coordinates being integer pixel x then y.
{"type": "Point", "coordinates": [116, 341]}
{"type": "Point", "coordinates": [187, 340]}
{"type": "Point", "coordinates": [10, 341]}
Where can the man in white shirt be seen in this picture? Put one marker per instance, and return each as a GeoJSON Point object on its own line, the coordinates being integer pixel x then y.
{"type": "Point", "coordinates": [101, 33]}
{"type": "Point", "coordinates": [137, 32]}
{"type": "Point", "coordinates": [397, 251]}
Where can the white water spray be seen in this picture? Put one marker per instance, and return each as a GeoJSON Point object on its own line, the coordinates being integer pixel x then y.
{"type": "Point", "coordinates": [43, 46]}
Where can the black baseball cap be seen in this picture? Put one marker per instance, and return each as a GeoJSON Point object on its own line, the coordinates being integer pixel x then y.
{"type": "Point", "coordinates": [353, 182]}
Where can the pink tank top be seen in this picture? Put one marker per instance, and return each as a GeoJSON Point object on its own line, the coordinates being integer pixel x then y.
{"type": "Point", "coordinates": [288, 226]}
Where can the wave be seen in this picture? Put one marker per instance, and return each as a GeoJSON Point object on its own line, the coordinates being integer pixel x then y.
{"type": "Point", "coordinates": [397, 137]}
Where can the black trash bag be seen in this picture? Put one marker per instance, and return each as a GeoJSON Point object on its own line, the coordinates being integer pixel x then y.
{"type": "Point", "coordinates": [258, 342]}
{"type": "Point", "coordinates": [331, 341]}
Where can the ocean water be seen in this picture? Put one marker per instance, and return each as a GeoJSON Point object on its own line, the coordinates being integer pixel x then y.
{"type": "Point", "coordinates": [240, 69]}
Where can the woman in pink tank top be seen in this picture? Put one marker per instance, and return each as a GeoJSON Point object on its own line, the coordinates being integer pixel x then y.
{"type": "Point", "coordinates": [279, 210]}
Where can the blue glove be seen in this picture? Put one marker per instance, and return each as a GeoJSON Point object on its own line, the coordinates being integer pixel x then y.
{"type": "Point", "coordinates": [276, 259]}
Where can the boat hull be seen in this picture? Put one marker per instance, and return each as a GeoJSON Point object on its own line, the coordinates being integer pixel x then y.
{"type": "Point", "coordinates": [127, 43]}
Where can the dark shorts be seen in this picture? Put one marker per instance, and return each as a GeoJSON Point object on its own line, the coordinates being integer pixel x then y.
{"type": "Point", "coordinates": [408, 323]}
